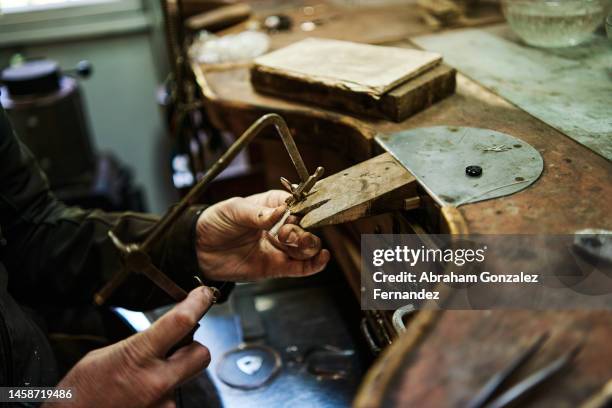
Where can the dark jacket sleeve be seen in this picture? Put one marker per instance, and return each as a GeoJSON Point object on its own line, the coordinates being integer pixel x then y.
{"type": "Point", "coordinates": [63, 255]}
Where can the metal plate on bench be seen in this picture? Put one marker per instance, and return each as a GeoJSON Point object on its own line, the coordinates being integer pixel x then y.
{"type": "Point", "coordinates": [438, 158]}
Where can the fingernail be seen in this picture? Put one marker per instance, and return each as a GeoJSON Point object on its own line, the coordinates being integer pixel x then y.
{"type": "Point", "coordinates": [291, 239]}
{"type": "Point", "coordinates": [311, 242]}
{"type": "Point", "coordinates": [215, 293]}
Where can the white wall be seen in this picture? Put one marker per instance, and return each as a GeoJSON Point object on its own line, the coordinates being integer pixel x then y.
{"type": "Point", "coordinates": [120, 98]}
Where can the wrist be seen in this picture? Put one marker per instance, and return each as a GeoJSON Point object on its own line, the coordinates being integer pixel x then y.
{"type": "Point", "coordinates": [211, 275]}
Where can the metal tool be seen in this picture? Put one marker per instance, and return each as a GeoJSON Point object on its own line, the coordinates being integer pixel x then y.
{"type": "Point", "coordinates": [494, 385]}
{"type": "Point", "coordinates": [298, 193]}
{"type": "Point", "coordinates": [399, 315]}
{"type": "Point", "coordinates": [136, 256]}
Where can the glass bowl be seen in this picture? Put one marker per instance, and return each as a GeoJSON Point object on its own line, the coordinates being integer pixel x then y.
{"type": "Point", "coordinates": [553, 23]}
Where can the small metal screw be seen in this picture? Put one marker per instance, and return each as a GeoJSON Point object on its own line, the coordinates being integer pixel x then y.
{"type": "Point", "coordinates": [473, 171]}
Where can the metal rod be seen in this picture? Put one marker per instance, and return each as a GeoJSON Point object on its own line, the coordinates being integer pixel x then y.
{"type": "Point", "coordinates": [294, 153]}
{"type": "Point", "coordinates": [163, 282]}
{"type": "Point", "coordinates": [111, 286]}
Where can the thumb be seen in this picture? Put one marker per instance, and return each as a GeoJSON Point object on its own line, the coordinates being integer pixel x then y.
{"type": "Point", "coordinates": [177, 323]}
{"type": "Point", "coordinates": [247, 214]}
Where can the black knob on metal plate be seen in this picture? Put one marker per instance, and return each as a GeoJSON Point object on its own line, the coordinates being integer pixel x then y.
{"type": "Point", "coordinates": [473, 171]}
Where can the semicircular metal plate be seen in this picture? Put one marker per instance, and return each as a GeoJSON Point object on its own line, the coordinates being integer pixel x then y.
{"type": "Point", "coordinates": [438, 156]}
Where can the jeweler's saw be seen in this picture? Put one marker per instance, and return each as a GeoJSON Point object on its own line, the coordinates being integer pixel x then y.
{"type": "Point", "coordinates": [136, 255]}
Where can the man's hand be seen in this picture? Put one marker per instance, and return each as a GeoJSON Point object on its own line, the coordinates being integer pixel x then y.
{"type": "Point", "coordinates": [137, 372]}
{"type": "Point", "coordinates": [232, 243]}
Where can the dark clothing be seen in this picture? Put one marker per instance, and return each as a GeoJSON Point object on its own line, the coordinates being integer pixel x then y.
{"type": "Point", "coordinates": [55, 255]}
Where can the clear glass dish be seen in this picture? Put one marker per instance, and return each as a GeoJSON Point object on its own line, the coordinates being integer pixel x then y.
{"type": "Point", "coordinates": [553, 23]}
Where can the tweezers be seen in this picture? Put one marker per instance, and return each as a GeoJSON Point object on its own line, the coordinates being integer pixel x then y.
{"type": "Point", "coordinates": [525, 386]}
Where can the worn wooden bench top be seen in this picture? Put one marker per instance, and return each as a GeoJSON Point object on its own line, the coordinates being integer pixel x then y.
{"type": "Point", "coordinates": [573, 193]}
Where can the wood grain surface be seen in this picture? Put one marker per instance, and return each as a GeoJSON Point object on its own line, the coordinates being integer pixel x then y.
{"type": "Point", "coordinates": [374, 186]}
{"type": "Point", "coordinates": [445, 357]}
{"type": "Point", "coordinates": [397, 104]}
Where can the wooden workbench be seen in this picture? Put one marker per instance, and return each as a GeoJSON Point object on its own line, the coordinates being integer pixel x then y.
{"type": "Point", "coordinates": [451, 354]}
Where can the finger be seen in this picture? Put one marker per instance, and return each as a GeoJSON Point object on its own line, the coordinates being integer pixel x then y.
{"type": "Point", "coordinates": [187, 362]}
{"type": "Point", "coordinates": [272, 198]}
{"type": "Point", "coordinates": [283, 266]}
{"type": "Point", "coordinates": [247, 214]}
{"type": "Point", "coordinates": [166, 402]}
{"type": "Point", "coordinates": [178, 322]}
{"type": "Point", "coordinates": [297, 243]}
{"type": "Point", "coordinates": [293, 220]}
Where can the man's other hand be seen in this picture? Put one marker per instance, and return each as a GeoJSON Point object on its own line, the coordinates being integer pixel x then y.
{"type": "Point", "coordinates": [138, 372]}
{"type": "Point", "coordinates": [232, 242]}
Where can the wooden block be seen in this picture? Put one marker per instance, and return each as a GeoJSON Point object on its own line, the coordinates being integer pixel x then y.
{"type": "Point", "coordinates": [397, 104]}
{"type": "Point", "coordinates": [366, 68]}
{"type": "Point", "coordinates": [374, 186]}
